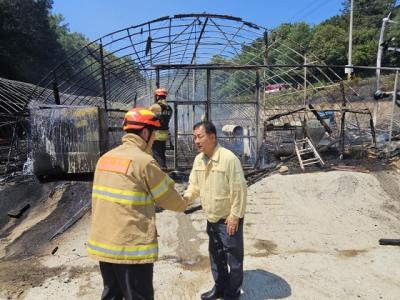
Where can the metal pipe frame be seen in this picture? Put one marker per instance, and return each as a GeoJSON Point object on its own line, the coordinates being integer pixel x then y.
{"type": "Point", "coordinates": [121, 69]}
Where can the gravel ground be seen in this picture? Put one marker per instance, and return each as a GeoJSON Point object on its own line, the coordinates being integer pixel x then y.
{"type": "Point", "coordinates": [307, 236]}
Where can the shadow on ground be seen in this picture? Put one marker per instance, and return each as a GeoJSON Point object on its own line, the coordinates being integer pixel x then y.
{"type": "Point", "coordinates": [259, 285]}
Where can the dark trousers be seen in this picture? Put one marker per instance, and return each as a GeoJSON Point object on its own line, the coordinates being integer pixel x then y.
{"type": "Point", "coordinates": [159, 148]}
{"type": "Point", "coordinates": [226, 251]}
{"type": "Point", "coordinates": [127, 281]}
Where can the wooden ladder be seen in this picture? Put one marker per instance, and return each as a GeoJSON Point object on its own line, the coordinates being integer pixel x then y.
{"type": "Point", "coordinates": [304, 147]}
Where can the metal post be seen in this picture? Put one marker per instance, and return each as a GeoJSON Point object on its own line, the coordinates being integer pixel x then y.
{"type": "Point", "coordinates": [378, 64]}
{"type": "Point", "coordinates": [349, 63]}
{"type": "Point", "coordinates": [150, 93]}
{"type": "Point", "coordinates": [183, 121]}
{"type": "Point", "coordinates": [187, 109]}
{"type": "Point", "coordinates": [304, 123]}
{"type": "Point", "coordinates": [343, 93]}
{"type": "Point", "coordinates": [380, 51]}
{"type": "Point", "coordinates": [208, 105]}
{"type": "Point", "coordinates": [342, 122]}
{"type": "Point", "coordinates": [342, 134]}
{"type": "Point", "coordinates": [176, 135]}
{"type": "Point", "coordinates": [391, 117]}
{"type": "Point", "coordinates": [257, 116]}
{"type": "Point", "coordinates": [305, 85]}
{"type": "Point", "coordinates": [373, 133]}
{"type": "Point", "coordinates": [55, 90]}
{"type": "Point", "coordinates": [157, 78]}
{"type": "Point", "coordinates": [193, 97]}
{"type": "Point", "coordinates": [103, 79]}
{"type": "Point", "coordinates": [265, 63]}
{"type": "Point", "coordinates": [191, 145]}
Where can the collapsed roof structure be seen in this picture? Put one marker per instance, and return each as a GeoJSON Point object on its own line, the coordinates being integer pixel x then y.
{"type": "Point", "coordinates": [217, 66]}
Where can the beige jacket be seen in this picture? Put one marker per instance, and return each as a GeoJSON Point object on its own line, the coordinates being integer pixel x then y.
{"type": "Point", "coordinates": [127, 185]}
{"type": "Point", "coordinates": [220, 183]}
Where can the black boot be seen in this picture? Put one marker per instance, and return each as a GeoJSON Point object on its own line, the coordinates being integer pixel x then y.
{"type": "Point", "coordinates": [213, 294]}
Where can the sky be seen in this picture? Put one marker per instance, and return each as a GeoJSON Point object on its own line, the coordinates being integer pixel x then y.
{"type": "Point", "coordinates": [95, 18]}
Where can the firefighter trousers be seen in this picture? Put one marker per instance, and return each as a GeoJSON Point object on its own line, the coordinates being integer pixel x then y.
{"type": "Point", "coordinates": [127, 281]}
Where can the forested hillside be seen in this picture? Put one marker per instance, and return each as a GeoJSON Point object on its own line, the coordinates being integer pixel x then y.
{"type": "Point", "coordinates": [33, 41]}
{"type": "Point", "coordinates": [329, 39]}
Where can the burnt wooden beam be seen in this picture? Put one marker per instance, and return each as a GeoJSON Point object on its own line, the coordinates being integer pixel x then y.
{"type": "Point", "coordinates": [322, 121]}
{"type": "Point", "coordinates": [371, 124]}
{"type": "Point", "coordinates": [358, 111]}
{"type": "Point", "coordinates": [277, 116]}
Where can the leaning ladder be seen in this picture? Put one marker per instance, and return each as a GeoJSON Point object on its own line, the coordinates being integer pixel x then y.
{"type": "Point", "coordinates": [304, 147]}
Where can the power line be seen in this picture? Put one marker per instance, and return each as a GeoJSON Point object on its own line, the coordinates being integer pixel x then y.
{"type": "Point", "coordinates": [309, 9]}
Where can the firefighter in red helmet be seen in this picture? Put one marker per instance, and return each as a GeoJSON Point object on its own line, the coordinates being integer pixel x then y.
{"type": "Point", "coordinates": [127, 185]}
{"type": "Point", "coordinates": [164, 112]}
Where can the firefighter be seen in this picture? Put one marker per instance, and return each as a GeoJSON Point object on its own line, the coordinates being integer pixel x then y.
{"type": "Point", "coordinates": [164, 112]}
{"type": "Point", "coordinates": [127, 185]}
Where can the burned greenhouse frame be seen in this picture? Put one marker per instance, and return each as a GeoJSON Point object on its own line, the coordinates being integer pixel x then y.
{"type": "Point", "coordinates": [213, 65]}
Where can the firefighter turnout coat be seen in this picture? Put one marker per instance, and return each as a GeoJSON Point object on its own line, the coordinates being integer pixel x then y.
{"type": "Point", "coordinates": [127, 185]}
{"type": "Point", "coordinates": [164, 112]}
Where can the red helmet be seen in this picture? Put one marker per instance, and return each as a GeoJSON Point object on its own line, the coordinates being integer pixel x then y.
{"type": "Point", "coordinates": [138, 118]}
{"type": "Point", "coordinates": [161, 92]}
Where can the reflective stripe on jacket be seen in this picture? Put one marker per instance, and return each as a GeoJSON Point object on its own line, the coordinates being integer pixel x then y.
{"type": "Point", "coordinates": [162, 135]}
{"type": "Point", "coordinates": [123, 253]}
{"type": "Point", "coordinates": [127, 185]}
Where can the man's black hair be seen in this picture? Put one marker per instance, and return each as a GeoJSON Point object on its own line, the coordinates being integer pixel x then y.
{"type": "Point", "coordinates": [134, 131]}
{"type": "Point", "coordinates": [209, 127]}
{"type": "Point", "coordinates": [139, 131]}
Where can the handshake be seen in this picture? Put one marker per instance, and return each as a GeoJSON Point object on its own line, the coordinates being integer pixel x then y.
{"type": "Point", "coordinates": [192, 205]}
{"type": "Point", "coordinates": [192, 208]}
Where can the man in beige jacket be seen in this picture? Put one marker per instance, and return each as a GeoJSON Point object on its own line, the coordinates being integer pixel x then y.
{"type": "Point", "coordinates": [127, 185]}
{"type": "Point", "coordinates": [217, 177]}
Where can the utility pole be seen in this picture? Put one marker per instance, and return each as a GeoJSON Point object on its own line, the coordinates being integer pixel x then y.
{"type": "Point", "coordinates": [349, 67]}
{"type": "Point", "coordinates": [305, 84]}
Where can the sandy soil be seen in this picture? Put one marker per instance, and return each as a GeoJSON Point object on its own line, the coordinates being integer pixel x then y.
{"type": "Point", "coordinates": [307, 236]}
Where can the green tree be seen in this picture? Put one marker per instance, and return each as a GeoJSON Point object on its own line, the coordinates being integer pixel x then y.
{"type": "Point", "coordinates": [368, 12]}
{"type": "Point", "coordinates": [392, 37]}
{"type": "Point", "coordinates": [367, 21]}
{"type": "Point", "coordinates": [28, 45]}
{"type": "Point", "coordinates": [289, 43]}
{"type": "Point", "coordinates": [327, 44]}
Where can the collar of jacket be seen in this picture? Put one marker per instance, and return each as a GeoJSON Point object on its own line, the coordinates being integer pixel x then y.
{"type": "Point", "coordinates": [133, 139]}
{"type": "Point", "coordinates": [214, 156]}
